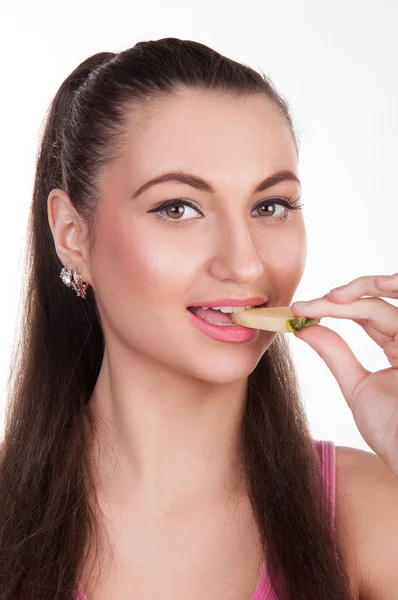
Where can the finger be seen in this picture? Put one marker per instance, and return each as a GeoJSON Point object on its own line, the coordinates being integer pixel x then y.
{"type": "Point", "coordinates": [389, 281]}
{"type": "Point", "coordinates": [390, 349]}
{"type": "Point", "coordinates": [366, 286]}
{"type": "Point", "coordinates": [380, 338]}
{"type": "Point", "coordinates": [387, 344]}
{"type": "Point", "coordinates": [382, 315]}
{"type": "Point", "coordinates": [337, 355]}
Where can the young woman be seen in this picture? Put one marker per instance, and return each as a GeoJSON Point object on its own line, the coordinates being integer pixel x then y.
{"type": "Point", "coordinates": [149, 454]}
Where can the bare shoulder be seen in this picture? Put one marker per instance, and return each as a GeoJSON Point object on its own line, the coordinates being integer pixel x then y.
{"type": "Point", "coordinates": [367, 521]}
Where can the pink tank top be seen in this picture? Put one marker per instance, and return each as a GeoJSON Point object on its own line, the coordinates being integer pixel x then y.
{"type": "Point", "coordinates": [327, 453]}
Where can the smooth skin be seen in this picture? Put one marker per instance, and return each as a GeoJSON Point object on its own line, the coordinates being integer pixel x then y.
{"type": "Point", "coordinates": [169, 398]}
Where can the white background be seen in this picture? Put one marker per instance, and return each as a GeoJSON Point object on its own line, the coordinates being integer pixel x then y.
{"type": "Point", "coordinates": [336, 64]}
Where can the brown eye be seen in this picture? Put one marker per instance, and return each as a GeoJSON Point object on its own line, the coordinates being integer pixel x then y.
{"type": "Point", "coordinates": [267, 207]}
{"type": "Point", "coordinates": [174, 210]}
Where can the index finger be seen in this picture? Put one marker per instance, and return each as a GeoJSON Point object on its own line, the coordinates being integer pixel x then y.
{"type": "Point", "coordinates": [369, 285]}
{"type": "Point", "coordinates": [382, 314]}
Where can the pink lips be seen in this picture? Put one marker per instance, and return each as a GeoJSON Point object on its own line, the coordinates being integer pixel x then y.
{"type": "Point", "coordinates": [226, 333]}
{"type": "Point", "coordinates": [223, 333]}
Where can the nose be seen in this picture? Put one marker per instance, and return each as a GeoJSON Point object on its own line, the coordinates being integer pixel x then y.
{"type": "Point", "coordinates": [235, 257]}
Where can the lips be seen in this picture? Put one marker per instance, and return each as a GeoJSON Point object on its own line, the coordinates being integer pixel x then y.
{"type": "Point", "coordinates": [222, 319]}
{"type": "Point", "coordinates": [216, 316]}
{"type": "Point", "coordinates": [211, 316]}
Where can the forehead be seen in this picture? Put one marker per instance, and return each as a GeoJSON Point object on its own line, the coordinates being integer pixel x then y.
{"type": "Point", "coordinates": [216, 135]}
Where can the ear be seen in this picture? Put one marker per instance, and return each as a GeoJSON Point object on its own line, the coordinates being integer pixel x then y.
{"type": "Point", "coordinates": [69, 232]}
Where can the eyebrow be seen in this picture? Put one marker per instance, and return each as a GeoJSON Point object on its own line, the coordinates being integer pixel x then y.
{"type": "Point", "coordinates": [204, 186]}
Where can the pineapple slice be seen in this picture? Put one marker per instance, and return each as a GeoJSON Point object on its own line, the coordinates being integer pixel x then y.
{"type": "Point", "coordinates": [276, 318]}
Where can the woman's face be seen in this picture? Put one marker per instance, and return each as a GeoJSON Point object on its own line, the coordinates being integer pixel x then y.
{"type": "Point", "coordinates": [146, 270]}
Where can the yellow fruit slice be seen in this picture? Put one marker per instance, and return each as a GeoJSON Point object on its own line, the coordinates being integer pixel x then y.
{"type": "Point", "coordinates": [275, 318]}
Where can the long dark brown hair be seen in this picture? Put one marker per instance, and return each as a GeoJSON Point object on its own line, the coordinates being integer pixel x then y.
{"type": "Point", "coordinates": [47, 523]}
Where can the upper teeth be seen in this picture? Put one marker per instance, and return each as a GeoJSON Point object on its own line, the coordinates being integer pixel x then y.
{"type": "Point", "coordinates": [227, 309]}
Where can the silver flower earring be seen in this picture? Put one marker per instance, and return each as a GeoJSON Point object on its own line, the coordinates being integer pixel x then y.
{"type": "Point", "coordinates": [74, 280]}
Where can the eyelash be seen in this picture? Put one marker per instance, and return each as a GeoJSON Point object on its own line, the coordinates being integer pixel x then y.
{"type": "Point", "coordinates": [290, 204]}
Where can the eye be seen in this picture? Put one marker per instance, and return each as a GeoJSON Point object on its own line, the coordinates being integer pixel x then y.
{"type": "Point", "coordinates": [269, 208]}
{"type": "Point", "coordinates": [177, 208]}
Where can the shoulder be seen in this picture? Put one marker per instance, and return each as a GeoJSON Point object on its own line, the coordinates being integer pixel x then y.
{"type": "Point", "coordinates": [367, 521]}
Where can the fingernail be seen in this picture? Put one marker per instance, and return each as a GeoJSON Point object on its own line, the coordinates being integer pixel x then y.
{"type": "Point", "coordinates": [303, 303]}
{"type": "Point", "coordinates": [383, 277]}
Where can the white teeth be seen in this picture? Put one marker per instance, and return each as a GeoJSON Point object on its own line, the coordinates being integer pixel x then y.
{"type": "Point", "coordinates": [227, 309]}
{"type": "Point", "coordinates": [231, 309]}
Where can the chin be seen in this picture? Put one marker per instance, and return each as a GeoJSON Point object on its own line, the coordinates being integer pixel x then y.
{"type": "Point", "coordinates": [226, 372]}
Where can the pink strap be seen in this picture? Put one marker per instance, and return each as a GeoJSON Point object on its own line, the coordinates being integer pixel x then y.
{"type": "Point", "coordinates": [326, 451]}
{"type": "Point", "coordinates": [80, 595]}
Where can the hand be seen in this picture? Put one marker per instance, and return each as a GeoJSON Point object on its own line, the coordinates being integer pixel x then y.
{"type": "Point", "coordinates": [372, 397]}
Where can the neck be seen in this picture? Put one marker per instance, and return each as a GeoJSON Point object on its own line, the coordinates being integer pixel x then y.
{"type": "Point", "coordinates": [165, 442]}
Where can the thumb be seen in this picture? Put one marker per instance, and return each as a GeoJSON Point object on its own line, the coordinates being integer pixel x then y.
{"type": "Point", "coordinates": [337, 355]}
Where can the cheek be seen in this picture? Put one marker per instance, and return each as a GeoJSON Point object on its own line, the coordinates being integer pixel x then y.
{"type": "Point", "coordinates": [140, 267]}
{"type": "Point", "coordinates": [284, 263]}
